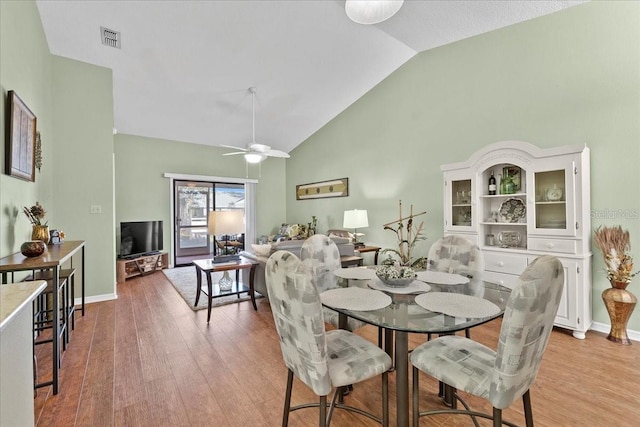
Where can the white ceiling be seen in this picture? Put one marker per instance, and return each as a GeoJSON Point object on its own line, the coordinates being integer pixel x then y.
{"type": "Point", "coordinates": [185, 67]}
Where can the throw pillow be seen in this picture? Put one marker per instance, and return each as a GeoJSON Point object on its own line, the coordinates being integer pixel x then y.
{"type": "Point", "coordinates": [261, 250]}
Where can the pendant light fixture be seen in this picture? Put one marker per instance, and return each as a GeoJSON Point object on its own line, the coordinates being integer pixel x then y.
{"type": "Point", "coordinates": [371, 11]}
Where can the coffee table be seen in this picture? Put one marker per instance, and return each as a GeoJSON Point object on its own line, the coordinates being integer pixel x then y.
{"type": "Point", "coordinates": [207, 267]}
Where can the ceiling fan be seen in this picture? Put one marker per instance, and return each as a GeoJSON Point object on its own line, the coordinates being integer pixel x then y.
{"type": "Point", "coordinates": [255, 153]}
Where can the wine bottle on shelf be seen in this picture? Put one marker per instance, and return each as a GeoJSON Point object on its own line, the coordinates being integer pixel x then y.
{"type": "Point", "coordinates": [492, 184]}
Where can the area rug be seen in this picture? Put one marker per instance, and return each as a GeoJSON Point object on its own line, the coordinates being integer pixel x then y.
{"type": "Point", "coordinates": [183, 280]}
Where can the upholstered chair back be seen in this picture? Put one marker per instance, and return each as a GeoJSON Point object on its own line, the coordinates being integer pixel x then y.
{"type": "Point", "coordinates": [455, 254]}
{"type": "Point", "coordinates": [297, 313]}
{"type": "Point", "coordinates": [526, 327]}
{"type": "Point", "coordinates": [320, 256]}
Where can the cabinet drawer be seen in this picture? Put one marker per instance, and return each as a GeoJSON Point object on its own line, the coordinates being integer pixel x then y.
{"type": "Point", "coordinates": [508, 280]}
{"type": "Point", "coordinates": [552, 245]}
{"type": "Point", "coordinates": [505, 263]}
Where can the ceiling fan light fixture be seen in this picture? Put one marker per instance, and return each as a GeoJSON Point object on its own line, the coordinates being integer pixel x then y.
{"type": "Point", "coordinates": [254, 157]}
{"type": "Point", "coordinates": [369, 12]}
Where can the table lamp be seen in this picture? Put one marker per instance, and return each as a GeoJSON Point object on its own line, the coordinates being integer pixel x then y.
{"type": "Point", "coordinates": [224, 223]}
{"type": "Point", "coordinates": [356, 219]}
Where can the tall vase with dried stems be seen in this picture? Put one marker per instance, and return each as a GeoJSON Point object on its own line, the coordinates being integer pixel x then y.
{"type": "Point", "coordinates": [36, 214]}
{"type": "Point", "coordinates": [614, 242]}
{"type": "Point", "coordinates": [620, 304]}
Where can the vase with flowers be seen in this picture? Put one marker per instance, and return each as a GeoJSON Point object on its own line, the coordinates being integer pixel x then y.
{"type": "Point", "coordinates": [615, 245]}
{"type": "Point", "coordinates": [40, 229]}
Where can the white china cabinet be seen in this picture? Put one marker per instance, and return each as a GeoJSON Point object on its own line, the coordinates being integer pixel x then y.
{"type": "Point", "coordinates": [541, 206]}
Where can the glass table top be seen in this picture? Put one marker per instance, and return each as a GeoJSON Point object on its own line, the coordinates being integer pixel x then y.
{"type": "Point", "coordinates": [405, 315]}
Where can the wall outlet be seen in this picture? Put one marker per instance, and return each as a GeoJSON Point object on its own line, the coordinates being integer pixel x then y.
{"type": "Point", "coordinates": [96, 209]}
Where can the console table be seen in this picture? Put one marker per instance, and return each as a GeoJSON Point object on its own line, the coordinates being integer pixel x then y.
{"type": "Point", "coordinates": [53, 259]}
{"type": "Point", "coordinates": [375, 249]}
{"type": "Point", "coordinates": [348, 261]}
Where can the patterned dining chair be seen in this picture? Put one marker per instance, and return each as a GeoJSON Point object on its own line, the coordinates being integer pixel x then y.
{"type": "Point", "coordinates": [321, 257]}
{"type": "Point", "coordinates": [457, 255]}
{"type": "Point", "coordinates": [322, 360]}
{"type": "Point", "coordinates": [504, 375]}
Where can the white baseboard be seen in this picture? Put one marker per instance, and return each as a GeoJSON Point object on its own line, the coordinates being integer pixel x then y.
{"type": "Point", "coordinates": [96, 298]}
{"type": "Point", "coordinates": [605, 328]}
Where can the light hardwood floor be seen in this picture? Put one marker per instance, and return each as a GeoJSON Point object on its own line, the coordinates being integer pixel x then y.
{"type": "Point", "coordinates": [146, 359]}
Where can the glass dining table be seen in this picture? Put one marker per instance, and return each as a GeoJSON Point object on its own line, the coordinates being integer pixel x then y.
{"type": "Point", "coordinates": [404, 316]}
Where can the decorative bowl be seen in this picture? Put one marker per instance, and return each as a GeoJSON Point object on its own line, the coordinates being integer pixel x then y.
{"type": "Point", "coordinates": [396, 276]}
{"type": "Point", "coordinates": [33, 248]}
{"type": "Point", "coordinates": [397, 283]}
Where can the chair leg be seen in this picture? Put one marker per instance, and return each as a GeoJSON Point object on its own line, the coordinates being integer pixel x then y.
{"type": "Point", "coordinates": [467, 333]}
{"type": "Point", "coordinates": [323, 411]}
{"type": "Point", "coordinates": [416, 396]}
{"type": "Point", "coordinates": [287, 399]}
{"type": "Point", "coordinates": [385, 399]}
{"type": "Point", "coordinates": [528, 413]}
{"type": "Point", "coordinates": [497, 417]}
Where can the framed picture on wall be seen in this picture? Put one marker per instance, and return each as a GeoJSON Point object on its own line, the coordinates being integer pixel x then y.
{"type": "Point", "coordinates": [21, 139]}
{"type": "Point", "coordinates": [319, 190]}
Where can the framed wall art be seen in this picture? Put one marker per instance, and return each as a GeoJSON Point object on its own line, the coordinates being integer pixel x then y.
{"type": "Point", "coordinates": [319, 190]}
{"type": "Point", "coordinates": [21, 139]}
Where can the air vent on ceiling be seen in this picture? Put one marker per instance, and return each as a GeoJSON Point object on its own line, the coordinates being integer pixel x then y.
{"type": "Point", "coordinates": [110, 37]}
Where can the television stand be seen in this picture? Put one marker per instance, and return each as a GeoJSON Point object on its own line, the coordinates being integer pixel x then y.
{"type": "Point", "coordinates": [140, 266]}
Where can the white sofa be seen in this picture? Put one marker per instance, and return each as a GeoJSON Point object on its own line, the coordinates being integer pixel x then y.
{"type": "Point", "coordinates": [261, 253]}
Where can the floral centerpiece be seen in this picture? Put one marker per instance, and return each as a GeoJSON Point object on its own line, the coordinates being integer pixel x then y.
{"type": "Point", "coordinates": [408, 236]}
{"type": "Point", "coordinates": [614, 242]}
{"type": "Point", "coordinates": [394, 274]}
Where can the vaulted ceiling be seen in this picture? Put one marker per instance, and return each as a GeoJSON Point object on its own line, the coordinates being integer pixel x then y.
{"type": "Point", "coordinates": [184, 67]}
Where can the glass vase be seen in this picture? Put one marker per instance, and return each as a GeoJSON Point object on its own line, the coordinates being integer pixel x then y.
{"type": "Point", "coordinates": [40, 232]}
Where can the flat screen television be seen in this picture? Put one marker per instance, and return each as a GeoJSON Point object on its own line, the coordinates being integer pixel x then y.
{"type": "Point", "coordinates": [140, 238]}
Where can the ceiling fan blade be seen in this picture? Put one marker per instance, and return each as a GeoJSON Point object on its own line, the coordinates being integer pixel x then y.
{"type": "Point", "coordinates": [234, 153]}
{"type": "Point", "coordinates": [277, 153]}
{"type": "Point", "coordinates": [234, 147]}
{"type": "Point", "coordinates": [260, 148]}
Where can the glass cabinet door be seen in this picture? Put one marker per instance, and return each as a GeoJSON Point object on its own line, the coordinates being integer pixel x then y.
{"type": "Point", "coordinates": [458, 199]}
{"type": "Point", "coordinates": [554, 192]}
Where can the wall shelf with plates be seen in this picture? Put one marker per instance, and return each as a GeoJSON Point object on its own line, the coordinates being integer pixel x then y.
{"type": "Point", "coordinates": [543, 209]}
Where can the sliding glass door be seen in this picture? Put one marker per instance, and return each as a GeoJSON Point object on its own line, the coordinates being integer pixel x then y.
{"type": "Point", "coordinates": [193, 200]}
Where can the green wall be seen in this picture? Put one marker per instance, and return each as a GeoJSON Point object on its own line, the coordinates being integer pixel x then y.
{"type": "Point", "coordinates": [74, 109]}
{"type": "Point", "coordinates": [83, 173]}
{"type": "Point", "coordinates": [25, 67]}
{"type": "Point", "coordinates": [572, 77]}
{"type": "Point", "coordinates": [143, 193]}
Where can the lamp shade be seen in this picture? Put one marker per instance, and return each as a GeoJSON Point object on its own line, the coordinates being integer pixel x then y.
{"type": "Point", "coordinates": [226, 222]}
{"type": "Point", "coordinates": [355, 219]}
{"type": "Point", "coordinates": [371, 11]}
